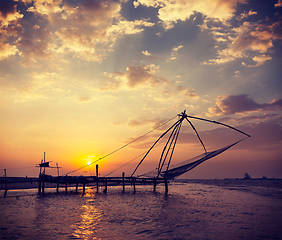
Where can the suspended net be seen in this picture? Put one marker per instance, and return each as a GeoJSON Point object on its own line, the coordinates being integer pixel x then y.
{"type": "Point", "coordinates": [183, 167]}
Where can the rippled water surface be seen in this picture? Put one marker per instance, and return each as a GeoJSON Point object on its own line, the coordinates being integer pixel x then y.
{"type": "Point", "coordinates": [214, 209]}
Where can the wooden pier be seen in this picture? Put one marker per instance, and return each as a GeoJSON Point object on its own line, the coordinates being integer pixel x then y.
{"type": "Point", "coordinates": [94, 180]}
{"type": "Point", "coordinates": [104, 182]}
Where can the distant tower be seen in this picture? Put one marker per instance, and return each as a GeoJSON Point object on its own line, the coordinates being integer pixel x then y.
{"type": "Point", "coordinates": [247, 176]}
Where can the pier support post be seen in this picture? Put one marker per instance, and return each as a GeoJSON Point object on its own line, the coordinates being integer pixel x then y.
{"type": "Point", "coordinates": [66, 189]}
{"type": "Point", "coordinates": [166, 186]}
{"type": "Point", "coordinates": [155, 184]}
{"type": "Point", "coordinates": [123, 186]}
{"type": "Point", "coordinates": [6, 189]}
{"type": "Point", "coordinates": [43, 187]}
{"type": "Point", "coordinates": [39, 186]}
{"type": "Point", "coordinates": [58, 187]}
{"type": "Point", "coordinates": [83, 189]}
{"type": "Point", "coordinates": [134, 188]}
{"type": "Point", "coordinates": [76, 187]}
{"type": "Point", "coordinates": [106, 186]}
{"type": "Point", "coordinates": [97, 176]}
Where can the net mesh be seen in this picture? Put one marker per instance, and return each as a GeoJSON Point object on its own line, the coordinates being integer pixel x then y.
{"type": "Point", "coordinates": [187, 165]}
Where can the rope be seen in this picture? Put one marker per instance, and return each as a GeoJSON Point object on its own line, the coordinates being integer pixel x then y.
{"type": "Point", "coordinates": [121, 147]}
{"type": "Point", "coordinates": [125, 164]}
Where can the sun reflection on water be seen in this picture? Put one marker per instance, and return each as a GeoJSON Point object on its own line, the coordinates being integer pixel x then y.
{"type": "Point", "coordinates": [87, 226]}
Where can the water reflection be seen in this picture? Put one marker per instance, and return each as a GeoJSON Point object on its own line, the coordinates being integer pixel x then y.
{"type": "Point", "coordinates": [88, 226]}
{"type": "Point", "coordinates": [189, 211]}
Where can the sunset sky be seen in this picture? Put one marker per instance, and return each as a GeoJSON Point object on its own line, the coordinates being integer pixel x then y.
{"type": "Point", "coordinates": [82, 78]}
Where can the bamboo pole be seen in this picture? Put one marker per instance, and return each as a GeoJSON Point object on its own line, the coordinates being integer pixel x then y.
{"type": "Point", "coordinates": [155, 184]}
{"type": "Point", "coordinates": [123, 186]}
{"type": "Point", "coordinates": [6, 188]}
{"type": "Point", "coordinates": [134, 188]}
{"type": "Point", "coordinates": [83, 189]}
{"type": "Point", "coordinates": [97, 175]}
{"type": "Point", "coordinates": [39, 186]}
{"type": "Point", "coordinates": [39, 179]}
{"type": "Point", "coordinates": [43, 187]}
{"type": "Point", "coordinates": [106, 186]}
{"type": "Point", "coordinates": [166, 186]}
{"type": "Point", "coordinates": [43, 176]}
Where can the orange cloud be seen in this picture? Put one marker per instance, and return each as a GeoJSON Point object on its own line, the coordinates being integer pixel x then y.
{"type": "Point", "coordinates": [190, 93]}
{"type": "Point", "coordinates": [45, 7]}
{"type": "Point", "coordinates": [279, 4]}
{"type": "Point", "coordinates": [7, 50]}
{"type": "Point", "coordinates": [146, 53]}
{"type": "Point", "coordinates": [137, 76]}
{"type": "Point", "coordinates": [174, 51]}
{"type": "Point", "coordinates": [8, 13]}
{"type": "Point", "coordinates": [257, 38]}
{"type": "Point", "coordinates": [252, 37]}
{"type": "Point", "coordinates": [87, 29]}
{"type": "Point", "coordinates": [172, 11]}
{"type": "Point", "coordinates": [157, 88]}
{"type": "Point", "coordinates": [245, 15]}
{"type": "Point", "coordinates": [261, 59]}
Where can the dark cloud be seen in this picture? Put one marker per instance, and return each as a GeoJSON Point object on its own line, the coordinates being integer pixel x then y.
{"type": "Point", "coordinates": [7, 7]}
{"type": "Point", "coordinates": [263, 117]}
{"type": "Point", "coordinates": [231, 104]}
{"type": "Point", "coordinates": [277, 30]}
{"type": "Point", "coordinates": [264, 136]}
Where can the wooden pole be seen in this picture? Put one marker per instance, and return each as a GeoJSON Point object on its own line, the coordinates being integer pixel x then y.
{"type": "Point", "coordinates": [166, 186]}
{"type": "Point", "coordinates": [58, 186]}
{"type": "Point", "coordinates": [44, 164]}
{"type": "Point", "coordinates": [58, 169]}
{"type": "Point", "coordinates": [43, 176]}
{"type": "Point", "coordinates": [97, 175]}
{"type": "Point", "coordinates": [134, 188]}
{"type": "Point", "coordinates": [155, 184]}
{"type": "Point", "coordinates": [123, 187]}
{"type": "Point", "coordinates": [106, 186]}
{"type": "Point", "coordinates": [39, 179]}
{"type": "Point", "coordinates": [76, 187]}
{"type": "Point", "coordinates": [66, 189]}
{"type": "Point", "coordinates": [43, 187]}
{"type": "Point", "coordinates": [6, 189]}
{"type": "Point", "coordinates": [83, 189]}
{"type": "Point", "coordinates": [39, 186]}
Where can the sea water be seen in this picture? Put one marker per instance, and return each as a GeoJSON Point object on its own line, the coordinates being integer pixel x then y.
{"type": "Point", "coordinates": [202, 209]}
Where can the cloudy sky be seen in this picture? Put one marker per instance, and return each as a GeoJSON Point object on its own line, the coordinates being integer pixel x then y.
{"type": "Point", "coordinates": [82, 78]}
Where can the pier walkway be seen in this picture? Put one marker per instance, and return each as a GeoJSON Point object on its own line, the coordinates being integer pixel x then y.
{"type": "Point", "coordinates": [99, 181]}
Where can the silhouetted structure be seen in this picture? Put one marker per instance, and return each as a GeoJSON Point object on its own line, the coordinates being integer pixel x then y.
{"type": "Point", "coordinates": [162, 174]}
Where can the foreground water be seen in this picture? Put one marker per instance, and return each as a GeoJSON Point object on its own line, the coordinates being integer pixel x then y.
{"type": "Point", "coordinates": [214, 209]}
